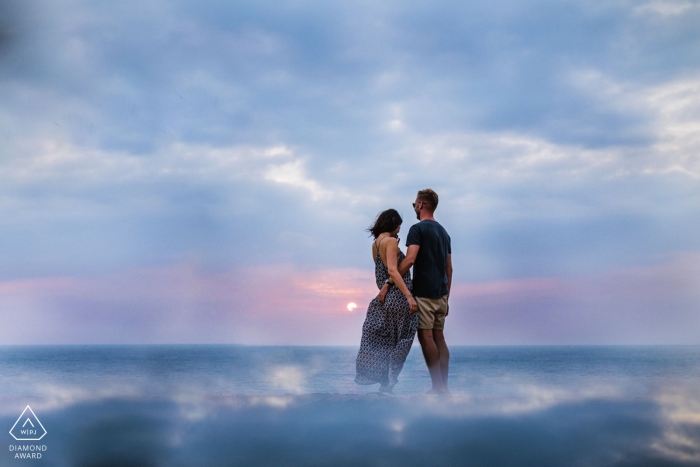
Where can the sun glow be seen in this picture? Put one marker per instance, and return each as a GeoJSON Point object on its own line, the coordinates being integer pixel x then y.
{"type": "Point", "coordinates": [352, 306]}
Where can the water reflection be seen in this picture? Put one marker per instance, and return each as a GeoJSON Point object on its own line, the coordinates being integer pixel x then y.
{"type": "Point", "coordinates": [224, 406]}
{"type": "Point", "coordinates": [351, 430]}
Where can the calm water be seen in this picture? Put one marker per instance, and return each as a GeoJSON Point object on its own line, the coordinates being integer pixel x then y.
{"type": "Point", "coordinates": [237, 405]}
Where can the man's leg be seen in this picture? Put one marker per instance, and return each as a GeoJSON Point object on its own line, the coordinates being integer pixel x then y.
{"type": "Point", "coordinates": [432, 358]}
{"type": "Point", "coordinates": [444, 352]}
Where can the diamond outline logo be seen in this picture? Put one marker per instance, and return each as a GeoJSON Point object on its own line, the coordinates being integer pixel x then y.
{"type": "Point", "coordinates": [30, 422]}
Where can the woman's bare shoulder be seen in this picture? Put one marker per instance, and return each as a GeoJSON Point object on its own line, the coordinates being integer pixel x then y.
{"type": "Point", "coordinates": [390, 244]}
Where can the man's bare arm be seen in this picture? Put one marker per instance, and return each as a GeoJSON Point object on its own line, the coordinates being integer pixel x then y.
{"type": "Point", "coordinates": [392, 259]}
{"type": "Point", "coordinates": [410, 258]}
{"type": "Point", "coordinates": [449, 281]}
{"type": "Point", "coordinates": [449, 274]}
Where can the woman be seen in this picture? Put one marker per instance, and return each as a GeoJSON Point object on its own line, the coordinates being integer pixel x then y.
{"type": "Point", "coordinates": [389, 328]}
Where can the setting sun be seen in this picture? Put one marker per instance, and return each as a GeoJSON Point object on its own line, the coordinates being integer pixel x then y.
{"type": "Point", "coordinates": [351, 306]}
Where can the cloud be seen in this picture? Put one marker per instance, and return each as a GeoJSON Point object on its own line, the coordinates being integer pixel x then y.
{"type": "Point", "coordinates": [652, 305]}
{"type": "Point", "coordinates": [286, 305]}
{"type": "Point", "coordinates": [496, 186]}
{"type": "Point", "coordinates": [561, 137]}
{"type": "Point", "coordinates": [226, 74]}
{"type": "Point", "coordinates": [185, 304]}
{"type": "Point", "coordinates": [666, 9]}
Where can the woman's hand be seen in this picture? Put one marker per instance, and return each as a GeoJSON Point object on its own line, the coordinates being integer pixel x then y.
{"type": "Point", "coordinates": [412, 304]}
{"type": "Point", "coordinates": [382, 293]}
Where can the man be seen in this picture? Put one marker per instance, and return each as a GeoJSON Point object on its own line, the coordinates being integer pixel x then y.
{"type": "Point", "coordinates": [430, 254]}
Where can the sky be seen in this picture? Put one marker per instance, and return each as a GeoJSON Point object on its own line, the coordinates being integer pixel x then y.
{"type": "Point", "coordinates": [205, 172]}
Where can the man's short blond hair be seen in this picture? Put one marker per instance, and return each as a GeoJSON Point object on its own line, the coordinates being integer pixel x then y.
{"type": "Point", "coordinates": [429, 197]}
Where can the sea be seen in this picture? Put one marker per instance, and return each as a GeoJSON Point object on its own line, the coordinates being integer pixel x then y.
{"type": "Point", "coordinates": [230, 405]}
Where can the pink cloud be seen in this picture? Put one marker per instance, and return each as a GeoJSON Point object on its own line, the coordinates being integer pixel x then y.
{"type": "Point", "coordinates": [506, 288]}
{"type": "Point", "coordinates": [656, 304]}
{"type": "Point", "coordinates": [284, 305]}
{"type": "Point", "coordinates": [35, 285]}
{"type": "Point", "coordinates": [181, 303]}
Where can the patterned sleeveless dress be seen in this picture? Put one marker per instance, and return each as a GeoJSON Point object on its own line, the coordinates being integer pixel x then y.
{"type": "Point", "coordinates": [387, 334]}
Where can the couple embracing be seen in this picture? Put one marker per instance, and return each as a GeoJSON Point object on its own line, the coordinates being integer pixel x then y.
{"type": "Point", "coordinates": [404, 305]}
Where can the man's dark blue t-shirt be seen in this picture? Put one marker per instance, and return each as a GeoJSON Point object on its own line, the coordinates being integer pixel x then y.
{"type": "Point", "coordinates": [430, 268]}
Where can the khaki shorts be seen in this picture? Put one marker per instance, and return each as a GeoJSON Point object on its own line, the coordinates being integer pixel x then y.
{"type": "Point", "coordinates": [431, 312]}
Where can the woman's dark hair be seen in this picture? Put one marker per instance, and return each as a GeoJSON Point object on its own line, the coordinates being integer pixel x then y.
{"type": "Point", "coordinates": [386, 222]}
